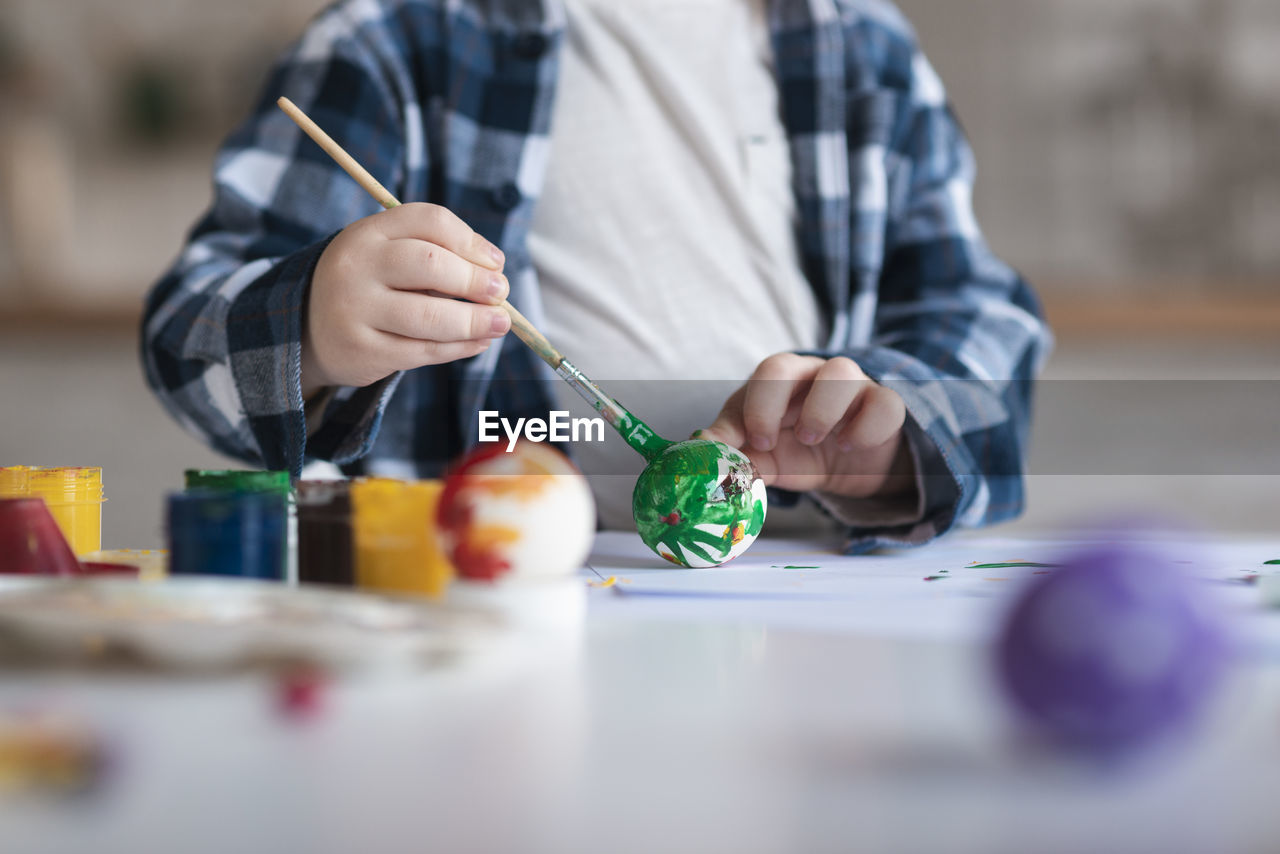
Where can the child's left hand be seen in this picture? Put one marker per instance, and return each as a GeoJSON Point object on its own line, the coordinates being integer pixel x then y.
{"type": "Point", "coordinates": [812, 424]}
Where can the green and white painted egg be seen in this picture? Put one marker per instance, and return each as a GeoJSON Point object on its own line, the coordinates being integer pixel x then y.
{"type": "Point", "coordinates": [700, 503]}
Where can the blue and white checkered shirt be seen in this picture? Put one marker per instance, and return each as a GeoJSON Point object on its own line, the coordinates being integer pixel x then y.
{"type": "Point", "coordinates": [449, 101]}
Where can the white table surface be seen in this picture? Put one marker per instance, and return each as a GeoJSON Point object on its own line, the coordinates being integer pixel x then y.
{"type": "Point", "coordinates": [729, 710]}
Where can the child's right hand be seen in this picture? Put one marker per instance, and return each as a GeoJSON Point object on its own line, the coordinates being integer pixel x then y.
{"type": "Point", "coordinates": [383, 298]}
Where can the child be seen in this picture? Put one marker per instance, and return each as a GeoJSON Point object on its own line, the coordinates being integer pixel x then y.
{"type": "Point", "coordinates": [770, 193]}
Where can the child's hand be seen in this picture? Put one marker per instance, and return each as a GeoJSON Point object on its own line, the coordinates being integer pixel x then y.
{"type": "Point", "coordinates": [383, 297]}
{"type": "Point", "coordinates": [819, 424]}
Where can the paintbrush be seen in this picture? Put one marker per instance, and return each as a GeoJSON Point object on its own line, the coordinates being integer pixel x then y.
{"type": "Point", "coordinates": [667, 513]}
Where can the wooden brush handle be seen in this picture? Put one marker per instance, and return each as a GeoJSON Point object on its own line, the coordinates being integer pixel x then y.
{"type": "Point", "coordinates": [520, 324]}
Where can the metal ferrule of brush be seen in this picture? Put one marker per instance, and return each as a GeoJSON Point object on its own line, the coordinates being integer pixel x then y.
{"type": "Point", "coordinates": [590, 392]}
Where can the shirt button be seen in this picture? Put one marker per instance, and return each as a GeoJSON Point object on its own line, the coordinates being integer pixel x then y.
{"type": "Point", "coordinates": [505, 197]}
{"type": "Point", "coordinates": [529, 46]}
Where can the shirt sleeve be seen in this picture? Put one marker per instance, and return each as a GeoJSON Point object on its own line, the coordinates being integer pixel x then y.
{"type": "Point", "coordinates": [222, 329]}
{"type": "Point", "coordinates": [957, 333]}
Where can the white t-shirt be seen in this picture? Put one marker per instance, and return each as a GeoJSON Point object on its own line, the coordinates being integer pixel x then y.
{"type": "Point", "coordinates": [664, 237]}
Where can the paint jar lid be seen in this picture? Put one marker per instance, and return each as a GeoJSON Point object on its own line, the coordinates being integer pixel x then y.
{"type": "Point", "coordinates": [66, 484]}
{"type": "Point", "coordinates": [229, 480]}
{"type": "Point", "coordinates": [31, 542]}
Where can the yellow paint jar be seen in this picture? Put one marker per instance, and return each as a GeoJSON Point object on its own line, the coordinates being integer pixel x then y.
{"type": "Point", "coordinates": [74, 497]}
{"type": "Point", "coordinates": [397, 549]}
{"type": "Point", "coordinates": [13, 481]}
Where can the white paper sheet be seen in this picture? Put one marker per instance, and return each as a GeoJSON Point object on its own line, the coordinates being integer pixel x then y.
{"type": "Point", "coordinates": [888, 595]}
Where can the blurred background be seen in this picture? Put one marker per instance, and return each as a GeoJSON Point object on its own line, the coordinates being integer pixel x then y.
{"type": "Point", "coordinates": [1129, 155]}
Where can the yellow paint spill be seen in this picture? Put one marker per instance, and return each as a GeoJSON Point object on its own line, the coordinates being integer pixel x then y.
{"type": "Point", "coordinates": [609, 582]}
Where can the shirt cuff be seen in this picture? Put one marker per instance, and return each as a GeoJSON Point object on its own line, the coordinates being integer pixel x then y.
{"type": "Point", "coordinates": [871, 513]}
{"type": "Point", "coordinates": [346, 424]}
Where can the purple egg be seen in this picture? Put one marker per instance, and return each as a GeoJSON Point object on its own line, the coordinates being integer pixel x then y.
{"type": "Point", "coordinates": [1116, 650]}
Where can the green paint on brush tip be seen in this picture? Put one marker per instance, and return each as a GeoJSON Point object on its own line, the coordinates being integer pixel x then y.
{"type": "Point", "coordinates": [699, 503]}
{"type": "Point", "coordinates": [1010, 565]}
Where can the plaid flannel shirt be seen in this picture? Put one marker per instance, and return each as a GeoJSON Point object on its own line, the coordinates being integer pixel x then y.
{"type": "Point", "coordinates": [449, 101]}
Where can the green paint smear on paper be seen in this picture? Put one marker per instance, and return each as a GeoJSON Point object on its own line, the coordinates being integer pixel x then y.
{"type": "Point", "coordinates": [694, 485]}
{"type": "Point", "coordinates": [1271, 563]}
{"type": "Point", "coordinates": [1010, 565]}
{"type": "Point", "coordinates": [778, 566]}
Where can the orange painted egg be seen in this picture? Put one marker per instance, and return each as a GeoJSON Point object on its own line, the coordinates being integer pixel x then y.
{"type": "Point", "coordinates": [524, 514]}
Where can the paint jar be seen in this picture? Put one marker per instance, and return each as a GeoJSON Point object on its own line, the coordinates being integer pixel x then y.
{"type": "Point", "coordinates": [397, 543]}
{"type": "Point", "coordinates": [236, 480]}
{"type": "Point", "coordinates": [74, 497]}
{"type": "Point", "coordinates": [326, 551]}
{"type": "Point", "coordinates": [227, 533]}
{"type": "Point", "coordinates": [13, 481]}
{"type": "Point", "coordinates": [31, 543]}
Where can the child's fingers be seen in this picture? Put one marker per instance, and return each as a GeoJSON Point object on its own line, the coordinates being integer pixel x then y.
{"type": "Point", "coordinates": [440, 226]}
{"type": "Point", "coordinates": [728, 427]}
{"type": "Point", "coordinates": [409, 353]}
{"type": "Point", "coordinates": [879, 417]}
{"type": "Point", "coordinates": [417, 265]}
{"type": "Point", "coordinates": [425, 318]}
{"type": "Point", "coordinates": [768, 393]}
{"type": "Point", "coordinates": [834, 391]}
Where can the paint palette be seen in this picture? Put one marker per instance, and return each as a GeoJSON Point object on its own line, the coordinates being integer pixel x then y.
{"type": "Point", "coordinates": [197, 623]}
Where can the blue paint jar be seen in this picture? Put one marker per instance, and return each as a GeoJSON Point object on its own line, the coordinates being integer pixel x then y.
{"type": "Point", "coordinates": [227, 533]}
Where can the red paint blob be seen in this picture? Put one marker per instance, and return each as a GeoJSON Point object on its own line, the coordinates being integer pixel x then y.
{"type": "Point", "coordinates": [479, 564]}
{"type": "Point", "coordinates": [301, 692]}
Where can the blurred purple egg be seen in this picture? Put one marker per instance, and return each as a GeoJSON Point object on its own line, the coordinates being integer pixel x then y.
{"type": "Point", "coordinates": [1116, 650]}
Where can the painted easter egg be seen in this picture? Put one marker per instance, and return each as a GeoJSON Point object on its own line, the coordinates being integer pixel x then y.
{"type": "Point", "coordinates": [522, 514]}
{"type": "Point", "coordinates": [700, 503]}
{"type": "Point", "coordinates": [1114, 651]}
